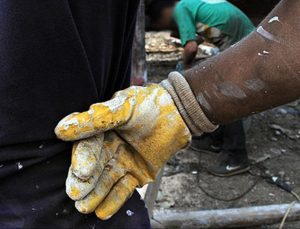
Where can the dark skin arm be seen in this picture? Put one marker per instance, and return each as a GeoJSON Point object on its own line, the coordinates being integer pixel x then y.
{"type": "Point", "coordinates": [260, 72]}
{"type": "Point", "coordinates": [189, 53]}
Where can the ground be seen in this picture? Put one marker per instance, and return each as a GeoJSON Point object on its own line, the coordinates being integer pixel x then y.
{"type": "Point", "coordinates": [273, 137]}
{"type": "Point", "coordinates": [185, 174]}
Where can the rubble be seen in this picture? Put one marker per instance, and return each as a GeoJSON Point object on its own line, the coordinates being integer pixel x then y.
{"type": "Point", "coordinates": [289, 133]}
{"type": "Point", "coordinates": [161, 47]}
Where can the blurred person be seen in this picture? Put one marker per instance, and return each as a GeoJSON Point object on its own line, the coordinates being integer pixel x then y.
{"type": "Point", "coordinates": [223, 25]}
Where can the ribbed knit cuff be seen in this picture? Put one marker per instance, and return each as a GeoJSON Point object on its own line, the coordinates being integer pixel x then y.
{"type": "Point", "coordinates": [187, 104]}
{"type": "Point", "coordinates": [166, 84]}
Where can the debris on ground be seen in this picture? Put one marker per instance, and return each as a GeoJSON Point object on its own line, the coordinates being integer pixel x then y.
{"type": "Point", "coordinates": [272, 141]}
{"type": "Point", "coordinates": [160, 46]}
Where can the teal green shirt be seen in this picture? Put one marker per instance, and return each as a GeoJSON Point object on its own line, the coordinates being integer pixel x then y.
{"type": "Point", "coordinates": [213, 13]}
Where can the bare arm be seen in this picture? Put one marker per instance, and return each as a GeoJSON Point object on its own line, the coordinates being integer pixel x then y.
{"type": "Point", "coordinates": [189, 53]}
{"type": "Point", "coordinates": [260, 72]}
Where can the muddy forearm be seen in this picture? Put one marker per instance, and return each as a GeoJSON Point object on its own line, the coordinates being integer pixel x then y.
{"type": "Point", "coordinates": [260, 72]}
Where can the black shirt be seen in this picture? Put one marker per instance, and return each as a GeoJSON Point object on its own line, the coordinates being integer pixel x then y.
{"type": "Point", "coordinates": [56, 57]}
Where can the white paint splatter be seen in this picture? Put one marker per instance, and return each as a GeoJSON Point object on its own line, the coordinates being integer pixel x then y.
{"type": "Point", "coordinates": [115, 103]}
{"type": "Point", "coordinates": [132, 101]}
{"type": "Point", "coordinates": [266, 34]}
{"type": "Point", "coordinates": [19, 165]}
{"type": "Point", "coordinates": [71, 122]}
{"type": "Point", "coordinates": [273, 19]}
{"type": "Point", "coordinates": [91, 111]}
{"type": "Point", "coordinates": [164, 100]}
{"type": "Point", "coordinates": [129, 213]}
{"type": "Point", "coordinates": [264, 53]}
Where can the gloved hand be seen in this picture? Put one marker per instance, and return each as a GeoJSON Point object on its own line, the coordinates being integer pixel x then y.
{"type": "Point", "coordinates": [148, 130]}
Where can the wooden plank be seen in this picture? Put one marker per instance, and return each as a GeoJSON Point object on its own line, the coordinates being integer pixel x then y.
{"type": "Point", "coordinates": [138, 67]}
{"type": "Point", "coordinates": [151, 193]}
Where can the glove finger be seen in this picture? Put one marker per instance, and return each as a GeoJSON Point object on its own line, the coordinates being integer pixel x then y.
{"type": "Point", "coordinates": [120, 193]}
{"type": "Point", "coordinates": [111, 174]}
{"type": "Point", "coordinates": [76, 188]}
{"type": "Point", "coordinates": [87, 155]}
{"type": "Point", "coordinates": [99, 118]}
{"type": "Point", "coordinates": [76, 181]}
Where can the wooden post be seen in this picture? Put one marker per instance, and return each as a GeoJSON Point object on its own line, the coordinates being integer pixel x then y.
{"type": "Point", "coordinates": [138, 71]}
{"type": "Point", "coordinates": [227, 218]}
{"type": "Point", "coordinates": [151, 193]}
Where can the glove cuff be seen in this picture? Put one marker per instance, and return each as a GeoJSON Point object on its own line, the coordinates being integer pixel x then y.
{"type": "Point", "coordinates": [187, 104]}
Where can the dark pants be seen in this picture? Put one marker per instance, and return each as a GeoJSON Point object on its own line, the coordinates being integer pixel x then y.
{"type": "Point", "coordinates": [232, 139]}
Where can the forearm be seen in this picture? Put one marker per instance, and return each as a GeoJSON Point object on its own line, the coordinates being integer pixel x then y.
{"type": "Point", "coordinates": [188, 58]}
{"type": "Point", "coordinates": [260, 72]}
{"type": "Point", "coordinates": [189, 53]}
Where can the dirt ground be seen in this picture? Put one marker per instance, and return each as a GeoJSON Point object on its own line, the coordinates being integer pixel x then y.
{"type": "Point", "coordinates": [273, 135]}
{"type": "Point", "coordinates": [185, 174]}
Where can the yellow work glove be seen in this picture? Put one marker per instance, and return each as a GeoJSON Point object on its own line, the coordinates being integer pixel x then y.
{"type": "Point", "coordinates": [147, 131]}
